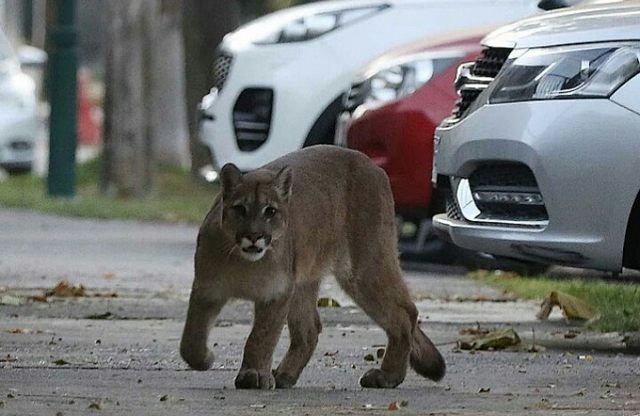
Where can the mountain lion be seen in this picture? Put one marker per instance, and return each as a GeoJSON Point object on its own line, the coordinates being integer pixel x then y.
{"type": "Point", "coordinates": [273, 234]}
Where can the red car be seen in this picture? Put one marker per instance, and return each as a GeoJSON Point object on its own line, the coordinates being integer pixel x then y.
{"type": "Point", "coordinates": [391, 113]}
{"type": "Point", "coordinates": [396, 131]}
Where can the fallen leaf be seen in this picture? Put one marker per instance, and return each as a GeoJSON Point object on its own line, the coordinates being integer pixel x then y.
{"type": "Point", "coordinates": [492, 341]}
{"type": "Point", "coordinates": [484, 390]}
{"type": "Point", "coordinates": [164, 398]}
{"type": "Point", "coordinates": [579, 392]}
{"type": "Point", "coordinates": [393, 406]}
{"type": "Point", "coordinates": [61, 362]}
{"type": "Point", "coordinates": [95, 405]}
{"type": "Point", "coordinates": [24, 331]}
{"type": "Point", "coordinates": [328, 303]}
{"type": "Point", "coordinates": [477, 331]}
{"type": "Point", "coordinates": [41, 299]}
{"type": "Point", "coordinates": [7, 359]}
{"type": "Point", "coordinates": [1, 404]}
{"type": "Point", "coordinates": [64, 289]}
{"type": "Point", "coordinates": [105, 295]}
{"type": "Point", "coordinates": [608, 395]}
{"type": "Point", "coordinates": [11, 300]}
{"type": "Point", "coordinates": [59, 414]}
{"type": "Point", "coordinates": [100, 316]}
{"type": "Point", "coordinates": [109, 276]}
{"type": "Point", "coordinates": [331, 353]}
{"type": "Point", "coordinates": [572, 307]}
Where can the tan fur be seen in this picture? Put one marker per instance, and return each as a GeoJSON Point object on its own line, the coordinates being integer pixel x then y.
{"type": "Point", "coordinates": [334, 215]}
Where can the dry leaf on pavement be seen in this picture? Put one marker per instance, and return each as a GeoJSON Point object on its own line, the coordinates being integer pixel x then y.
{"type": "Point", "coordinates": [492, 341]}
{"type": "Point", "coordinates": [572, 307]}
{"type": "Point", "coordinates": [64, 289]}
{"type": "Point", "coordinates": [11, 300]}
{"type": "Point", "coordinates": [328, 303]}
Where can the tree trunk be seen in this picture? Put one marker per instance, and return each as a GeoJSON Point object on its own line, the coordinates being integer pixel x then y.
{"type": "Point", "coordinates": [205, 24]}
{"type": "Point", "coordinates": [128, 143]}
{"type": "Point", "coordinates": [170, 131]}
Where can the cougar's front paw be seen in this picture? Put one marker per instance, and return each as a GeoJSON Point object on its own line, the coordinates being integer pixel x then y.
{"type": "Point", "coordinates": [198, 360]}
{"type": "Point", "coordinates": [283, 380]}
{"type": "Point", "coordinates": [252, 379]}
{"type": "Point", "coordinates": [378, 379]}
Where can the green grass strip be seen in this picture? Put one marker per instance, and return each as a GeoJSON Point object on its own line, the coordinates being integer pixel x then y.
{"type": "Point", "coordinates": [618, 302]}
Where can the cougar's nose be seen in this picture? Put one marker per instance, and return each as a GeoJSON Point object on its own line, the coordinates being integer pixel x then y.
{"type": "Point", "coordinates": [254, 237]}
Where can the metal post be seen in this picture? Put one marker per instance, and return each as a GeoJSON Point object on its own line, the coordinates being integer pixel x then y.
{"type": "Point", "coordinates": [63, 68]}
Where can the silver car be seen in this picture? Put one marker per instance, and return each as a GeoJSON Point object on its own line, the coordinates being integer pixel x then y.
{"type": "Point", "coordinates": [542, 152]}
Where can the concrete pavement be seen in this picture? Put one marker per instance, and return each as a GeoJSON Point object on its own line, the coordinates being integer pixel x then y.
{"type": "Point", "coordinates": [58, 357]}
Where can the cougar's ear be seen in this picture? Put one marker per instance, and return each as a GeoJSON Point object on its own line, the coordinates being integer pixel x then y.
{"type": "Point", "coordinates": [230, 178]}
{"type": "Point", "coordinates": [284, 181]}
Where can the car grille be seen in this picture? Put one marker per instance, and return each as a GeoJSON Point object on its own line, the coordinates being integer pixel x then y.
{"type": "Point", "coordinates": [453, 211]}
{"type": "Point", "coordinates": [252, 118]}
{"type": "Point", "coordinates": [513, 194]}
{"type": "Point", "coordinates": [482, 72]}
{"type": "Point", "coordinates": [221, 68]}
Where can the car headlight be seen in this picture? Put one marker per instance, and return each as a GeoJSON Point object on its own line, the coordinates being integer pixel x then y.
{"type": "Point", "coordinates": [397, 81]}
{"type": "Point", "coordinates": [313, 26]}
{"type": "Point", "coordinates": [595, 70]}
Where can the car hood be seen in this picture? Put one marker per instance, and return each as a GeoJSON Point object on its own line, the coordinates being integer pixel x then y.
{"type": "Point", "coordinates": [256, 29]}
{"type": "Point", "coordinates": [459, 42]}
{"type": "Point", "coordinates": [580, 24]}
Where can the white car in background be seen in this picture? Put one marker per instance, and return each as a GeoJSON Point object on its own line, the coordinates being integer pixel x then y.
{"type": "Point", "coordinates": [19, 122]}
{"type": "Point", "coordinates": [280, 80]}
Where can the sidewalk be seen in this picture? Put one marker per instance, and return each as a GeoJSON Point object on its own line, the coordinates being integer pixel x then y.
{"type": "Point", "coordinates": [119, 354]}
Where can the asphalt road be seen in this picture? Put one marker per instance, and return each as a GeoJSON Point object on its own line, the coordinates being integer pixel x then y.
{"type": "Point", "coordinates": [57, 358]}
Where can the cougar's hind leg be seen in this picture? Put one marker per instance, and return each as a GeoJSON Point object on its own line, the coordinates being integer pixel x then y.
{"type": "Point", "coordinates": [304, 326]}
{"type": "Point", "coordinates": [386, 301]}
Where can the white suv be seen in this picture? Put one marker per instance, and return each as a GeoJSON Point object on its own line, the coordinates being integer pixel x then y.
{"type": "Point", "coordinates": [280, 79]}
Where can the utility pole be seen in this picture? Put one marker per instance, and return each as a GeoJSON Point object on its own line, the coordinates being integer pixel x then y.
{"type": "Point", "coordinates": [63, 68]}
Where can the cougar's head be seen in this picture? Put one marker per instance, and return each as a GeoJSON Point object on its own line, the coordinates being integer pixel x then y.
{"type": "Point", "coordinates": [255, 208]}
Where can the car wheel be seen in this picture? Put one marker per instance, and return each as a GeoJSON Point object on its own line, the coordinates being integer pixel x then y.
{"type": "Point", "coordinates": [324, 128]}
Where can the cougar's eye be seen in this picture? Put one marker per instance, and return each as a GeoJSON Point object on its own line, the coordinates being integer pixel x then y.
{"type": "Point", "coordinates": [240, 210]}
{"type": "Point", "coordinates": [270, 212]}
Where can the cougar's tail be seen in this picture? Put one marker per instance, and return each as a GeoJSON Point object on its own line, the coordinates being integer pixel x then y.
{"type": "Point", "coordinates": [425, 358]}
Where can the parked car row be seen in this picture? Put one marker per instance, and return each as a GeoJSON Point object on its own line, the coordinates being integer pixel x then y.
{"type": "Point", "coordinates": [280, 80]}
{"type": "Point", "coordinates": [538, 105]}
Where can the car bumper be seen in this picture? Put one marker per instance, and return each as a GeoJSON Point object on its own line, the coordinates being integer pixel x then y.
{"type": "Point", "coordinates": [17, 140]}
{"type": "Point", "coordinates": [295, 106]}
{"type": "Point", "coordinates": [583, 155]}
